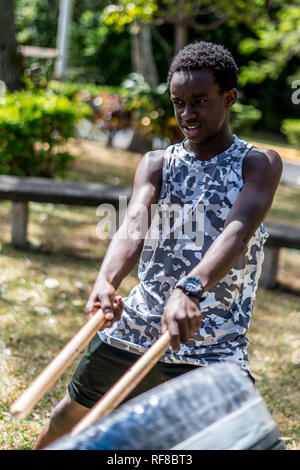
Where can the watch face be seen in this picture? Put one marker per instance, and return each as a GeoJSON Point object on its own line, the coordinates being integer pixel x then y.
{"type": "Point", "coordinates": [192, 285]}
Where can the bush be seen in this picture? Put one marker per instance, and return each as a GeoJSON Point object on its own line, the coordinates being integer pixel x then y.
{"type": "Point", "coordinates": [139, 106]}
{"type": "Point", "coordinates": [291, 129]}
{"type": "Point", "coordinates": [151, 108]}
{"type": "Point", "coordinates": [134, 104]}
{"type": "Point", "coordinates": [33, 127]}
{"type": "Point", "coordinates": [243, 117]}
{"type": "Point", "coordinates": [107, 103]}
{"type": "Point", "coordinates": [71, 90]}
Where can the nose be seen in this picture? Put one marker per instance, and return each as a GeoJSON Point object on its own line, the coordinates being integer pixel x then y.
{"type": "Point", "coordinates": [188, 113]}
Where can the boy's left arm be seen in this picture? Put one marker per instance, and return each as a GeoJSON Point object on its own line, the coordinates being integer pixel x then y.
{"type": "Point", "coordinates": [261, 172]}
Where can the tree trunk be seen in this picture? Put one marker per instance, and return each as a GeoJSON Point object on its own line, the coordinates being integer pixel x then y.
{"type": "Point", "coordinates": [135, 50]}
{"type": "Point", "coordinates": [181, 29]}
{"type": "Point", "coordinates": [149, 66]}
{"type": "Point", "coordinates": [10, 68]}
{"type": "Point", "coordinates": [181, 35]}
{"type": "Point", "coordinates": [141, 53]}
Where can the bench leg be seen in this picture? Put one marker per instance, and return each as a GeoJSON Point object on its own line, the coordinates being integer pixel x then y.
{"type": "Point", "coordinates": [268, 276]}
{"type": "Point", "coordinates": [19, 219]}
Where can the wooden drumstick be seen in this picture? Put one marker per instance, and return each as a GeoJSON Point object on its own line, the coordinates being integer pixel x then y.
{"type": "Point", "coordinates": [128, 381]}
{"type": "Point", "coordinates": [22, 407]}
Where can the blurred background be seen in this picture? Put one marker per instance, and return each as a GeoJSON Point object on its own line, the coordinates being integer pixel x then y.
{"type": "Point", "coordinates": [115, 58]}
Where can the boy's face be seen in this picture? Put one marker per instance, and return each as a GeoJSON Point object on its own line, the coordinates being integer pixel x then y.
{"type": "Point", "coordinates": [200, 108]}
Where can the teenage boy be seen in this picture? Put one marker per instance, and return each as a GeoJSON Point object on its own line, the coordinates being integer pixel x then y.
{"type": "Point", "coordinates": [198, 273]}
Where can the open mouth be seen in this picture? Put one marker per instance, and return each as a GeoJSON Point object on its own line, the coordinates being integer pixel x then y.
{"type": "Point", "coordinates": [190, 129]}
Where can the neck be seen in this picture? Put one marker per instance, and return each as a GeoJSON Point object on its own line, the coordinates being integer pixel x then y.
{"type": "Point", "coordinates": [212, 146]}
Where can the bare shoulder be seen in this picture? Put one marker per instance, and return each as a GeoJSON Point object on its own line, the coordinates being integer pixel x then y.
{"type": "Point", "coordinates": [150, 167]}
{"type": "Point", "coordinates": [263, 163]}
{"type": "Point", "coordinates": [153, 158]}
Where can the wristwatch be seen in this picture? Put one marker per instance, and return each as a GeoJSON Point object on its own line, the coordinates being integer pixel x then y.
{"type": "Point", "coordinates": [191, 286]}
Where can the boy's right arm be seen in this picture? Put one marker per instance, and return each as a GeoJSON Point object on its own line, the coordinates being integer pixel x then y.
{"type": "Point", "coordinates": [127, 244]}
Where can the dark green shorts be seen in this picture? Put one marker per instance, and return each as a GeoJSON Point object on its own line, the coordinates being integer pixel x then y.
{"type": "Point", "coordinates": [102, 365]}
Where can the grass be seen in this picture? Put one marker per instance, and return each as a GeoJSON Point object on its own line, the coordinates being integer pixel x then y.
{"type": "Point", "coordinates": [286, 205]}
{"type": "Point", "coordinates": [70, 252]}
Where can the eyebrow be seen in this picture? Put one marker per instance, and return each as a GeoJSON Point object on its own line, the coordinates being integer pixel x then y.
{"type": "Point", "coordinates": [194, 96]}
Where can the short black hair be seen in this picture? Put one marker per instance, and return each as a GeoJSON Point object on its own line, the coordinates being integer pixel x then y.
{"type": "Point", "coordinates": [207, 56]}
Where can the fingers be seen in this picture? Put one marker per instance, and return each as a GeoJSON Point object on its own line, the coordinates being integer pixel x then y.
{"type": "Point", "coordinates": [111, 304]}
{"type": "Point", "coordinates": [172, 327]}
{"type": "Point", "coordinates": [92, 309]}
{"type": "Point", "coordinates": [90, 305]}
{"type": "Point", "coordinates": [194, 320]}
{"type": "Point", "coordinates": [118, 308]}
{"type": "Point", "coordinates": [107, 306]}
{"type": "Point", "coordinates": [112, 309]}
{"type": "Point", "coordinates": [183, 324]}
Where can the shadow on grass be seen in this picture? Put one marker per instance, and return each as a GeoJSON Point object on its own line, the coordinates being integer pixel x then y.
{"type": "Point", "coordinates": [50, 343]}
{"type": "Point", "coordinates": [59, 255]}
{"type": "Point", "coordinates": [281, 288]}
{"type": "Point", "coordinates": [286, 289]}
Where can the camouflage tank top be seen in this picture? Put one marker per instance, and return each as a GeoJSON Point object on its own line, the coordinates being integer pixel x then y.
{"type": "Point", "coordinates": [203, 193]}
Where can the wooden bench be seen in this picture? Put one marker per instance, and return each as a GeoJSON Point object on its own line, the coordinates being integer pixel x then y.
{"type": "Point", "coordinates": [280, 236]}
{"type": "Point", "coordinates": [22, 190]}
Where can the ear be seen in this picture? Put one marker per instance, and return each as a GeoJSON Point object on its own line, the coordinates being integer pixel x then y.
{"type": "Point", "coordinates": [230, 97]}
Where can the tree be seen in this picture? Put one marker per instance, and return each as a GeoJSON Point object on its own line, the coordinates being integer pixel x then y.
{"type": "Point", "coordinates": [205, 15]}
{"type": "Point", "coordinates": [276, 42]}
{"type": "Point", "coordinates": [273, 68]}
{"type": "Point", "coordinates": [138, 16]}
{"type": "Point", "coordinates": [199, 15]}
{"type": "Point", "coordinates": [92, 43]}
{"type": "Point", "coordinates": [10, 68]}
{"type": "Point", "coordinates": [142, 16]}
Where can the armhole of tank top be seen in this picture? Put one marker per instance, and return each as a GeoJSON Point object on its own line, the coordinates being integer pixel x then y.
{"type": "Point", "coordinates": [241, 161]}
{"type": "Point", "coordinates": [166, 168]}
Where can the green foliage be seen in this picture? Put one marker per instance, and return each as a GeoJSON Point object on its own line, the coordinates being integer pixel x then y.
{"type": "Point", "coordinates": [135, 104]}
{"type": "Point", "coordinates": [107, 103]}
{"type": "Point", "coordinates": [153, 111]}
{"type": "Point", "coordinates": [92, 43]}
{"type": "Point", "coordinates": [263, 36]}
{"type": "Point", "coordinates": [97, 53]}
{"type": "Point", "coordinates": [274, 45]}
{"type": "Point", "coordinates": [243, 117]}
{"type": "Point", "coordinates": [73, 89]}
{"type": "Point", "coordinates": [32, 128]}
{"type": "Point", "coordinates": [200, 15]}
{"type": "Point", "coordinates": [291, 129]}
{"type": "Point", "coordinates": [124, 12]}
{"type": "Point", "coordinates": [36, 22]}
{"type": "Point", "coordinates": [138, 105]}
{"type": "Point", "coordinates": [151, 108]}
